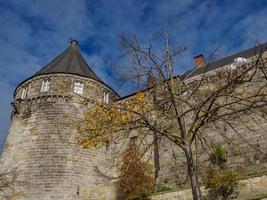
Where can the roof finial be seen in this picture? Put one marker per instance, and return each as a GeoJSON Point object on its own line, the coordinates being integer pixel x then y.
{"type": "Point", "coordinates": [73, 42]}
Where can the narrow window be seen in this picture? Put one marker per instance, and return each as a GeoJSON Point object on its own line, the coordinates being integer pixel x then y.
{"type": "Point", "coordinates": [107, 145]}
{"type": "Point", "coordinates": [78, 190]}
{"type": "Point", "coordinates": [133, 140]}
{"type": "Point", "coordinates": [23, 93]}
{"type": "Point", "coordinates": [45, 86]}
{"type": "Point", "coordinates": [106, 97]}
{"type": "Point", "coordinates": [78, 87]}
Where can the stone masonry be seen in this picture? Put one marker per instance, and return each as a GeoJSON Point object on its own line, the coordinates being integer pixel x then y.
{"type": "Point", "coordinates": [42, 135]}
{"type": "Point", "coordinates": [39, 143]}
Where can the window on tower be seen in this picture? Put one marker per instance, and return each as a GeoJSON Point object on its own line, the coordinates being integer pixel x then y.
{"type": "Point", "coordinates": [78, 87]}
{"type": "Point", "coordinates": [23, 93]}
{"type": "Point", "coordinates": [45, 86]}
{"type": "Point", "coordinates": [105, 98]}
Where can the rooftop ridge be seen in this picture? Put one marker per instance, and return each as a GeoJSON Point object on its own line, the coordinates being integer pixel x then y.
{"type": "Point", "coordinates": [226, 60]}
{"type": "Point", "coordinates": [216, 64]}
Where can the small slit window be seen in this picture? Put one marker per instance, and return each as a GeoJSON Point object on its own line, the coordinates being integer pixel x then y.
{"type": "Point", "coordinates": [106, 97]}
{"type": "Point", "coordinates": [78, 87]}
{"type": "Point", "coordinates": [107, 145]}
{"type": "Point", "coordinates": [45, 86]}
{"type": "Point", "coordinates": [133, 140]}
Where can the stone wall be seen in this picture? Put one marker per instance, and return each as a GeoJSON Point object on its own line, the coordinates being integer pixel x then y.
{"type": "Point", "coordinates": [41, 140]}
{"type": "Point", "coordinates": [42, 132]}
{"type": "Point", "coordinates": [251, 188]}
{"type": "Point", "coordinates": [241, 156]}
{"type": "Point", "coordinates": [63, 84]}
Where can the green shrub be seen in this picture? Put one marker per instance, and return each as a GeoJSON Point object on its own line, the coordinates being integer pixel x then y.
{"type": "Point", "coordinates": [221, 181]}
{"type": "Point", "coordinates": [218, 156]}
{"type": "Point", "coordinates": [166, 180]}
{"type": "Point", "coordinates": [163, 189]}
{"type": "Point", "coordinates": [222, 184]}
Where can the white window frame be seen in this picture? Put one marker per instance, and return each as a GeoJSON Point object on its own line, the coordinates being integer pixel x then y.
{"type": "Point", "coordinates": [23, 93]}
{"type": "Point", "coordinates": [106, 97]}
{"type": "Point", "coordinates": [78, 87]}
{"type": "Point", "coordinates": [45, 86]}
{"type": "Point", "coordinates": [240, 60]}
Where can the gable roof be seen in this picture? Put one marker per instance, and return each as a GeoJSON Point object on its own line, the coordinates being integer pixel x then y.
{"type": "Point", "coordinates": [247, 53]}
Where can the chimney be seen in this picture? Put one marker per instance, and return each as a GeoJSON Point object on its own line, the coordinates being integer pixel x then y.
{"type": "Point", "coordinates": [199, 61]}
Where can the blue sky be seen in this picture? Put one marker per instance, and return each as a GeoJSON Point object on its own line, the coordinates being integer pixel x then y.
{"type": "Point", "coordinates": [33, 32]}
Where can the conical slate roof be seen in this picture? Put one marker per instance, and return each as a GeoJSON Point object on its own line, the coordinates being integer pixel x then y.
{"type": "Point", "coordinates": [69, 61]}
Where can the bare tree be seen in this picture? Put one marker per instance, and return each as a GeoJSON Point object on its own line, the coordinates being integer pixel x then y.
{"type": "Point", "coordinates": [180, 108]}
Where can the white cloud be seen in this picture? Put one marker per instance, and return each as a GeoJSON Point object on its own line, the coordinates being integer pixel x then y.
{"type": "Point", "coordinates": [33, 32]}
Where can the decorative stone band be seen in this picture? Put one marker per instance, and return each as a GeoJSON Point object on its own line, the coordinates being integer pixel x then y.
{"type": "Point", "coordinates": [52, 98]}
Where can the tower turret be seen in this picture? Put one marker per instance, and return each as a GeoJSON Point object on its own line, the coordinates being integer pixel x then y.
{"type": "Point", "coordinates": [41, 138]}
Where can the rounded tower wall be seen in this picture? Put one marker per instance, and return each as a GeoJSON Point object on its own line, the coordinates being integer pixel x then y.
{"type": "Point", "coordinates": [41, 140]}
{"type": "Point", "coordinates": [62, 84]}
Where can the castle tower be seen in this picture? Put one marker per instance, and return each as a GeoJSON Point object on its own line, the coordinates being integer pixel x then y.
{"type": "Point", "coordinates": [40, 142]}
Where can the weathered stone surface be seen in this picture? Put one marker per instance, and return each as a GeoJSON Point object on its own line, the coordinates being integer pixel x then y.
{"type": "Point", "coordinates": [250, 188]}
{"type": "Point", "coordinates": [41, 142]}
{"type": "Point", "coordinates": [242, 155]}
{"type": "Point", "coordinates": [52, 167]}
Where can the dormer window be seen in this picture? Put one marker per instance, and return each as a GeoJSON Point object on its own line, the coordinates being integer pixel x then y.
{"type": "Point", "coordinates": [240, 60]}
{"type": "Point", "coordinates": [232, 67]}
{"type": "Point", "coordinates": [78, 87]}
{"type": "Point", "coordinates": [105, 97]}
{"type": "Point", "coordinates": [45, 86]}
{"type": "Point", "coordinates": [23, 93]}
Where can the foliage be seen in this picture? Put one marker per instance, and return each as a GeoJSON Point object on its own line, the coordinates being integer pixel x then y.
{"type": "Point", "coordinates": [180, 108]}
{"type": "Point", "coordinates": [222, 183]}
{"type": "Point", "coordinates": [101, 120]}
{"type": "Point", "coordinates": [163, 189]}
{"type": "Point", "coordinates": [218, 155]}
{"type": "Point", "coordinates": [166, 180]}
{"type": "Point", "coordinates": [136, 182]}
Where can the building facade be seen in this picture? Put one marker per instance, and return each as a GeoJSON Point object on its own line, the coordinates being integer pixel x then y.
{"type": "Point", "coordinates": [42, 135]}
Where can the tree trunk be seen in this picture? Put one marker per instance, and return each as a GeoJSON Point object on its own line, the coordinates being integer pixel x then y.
{"type": "Point", "coordinates": [156, 156]}
{"type": "Point", "coordinates": [192, 173]}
